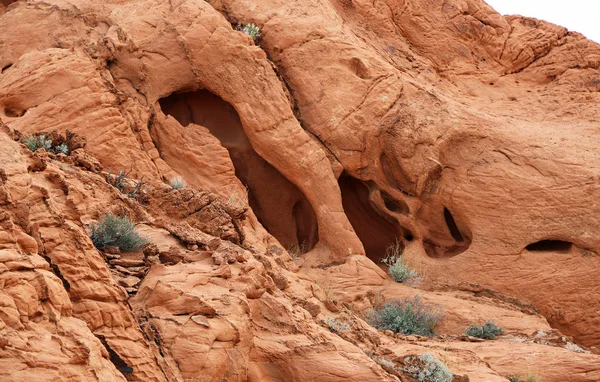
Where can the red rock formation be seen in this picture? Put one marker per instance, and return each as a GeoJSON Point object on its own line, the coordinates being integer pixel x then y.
{"type": "Point", "coordinates": [468, 137]}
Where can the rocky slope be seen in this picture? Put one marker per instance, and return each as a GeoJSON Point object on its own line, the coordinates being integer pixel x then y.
{"type": "Point", "coordinates": [470, 137]}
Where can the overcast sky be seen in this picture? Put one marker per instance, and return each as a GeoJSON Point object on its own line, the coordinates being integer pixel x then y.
{"type": "Point", "coordinates": [581, 16]}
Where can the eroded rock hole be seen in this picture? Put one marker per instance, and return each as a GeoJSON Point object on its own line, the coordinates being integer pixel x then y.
{"type": "Point", "coordinates": [278, 204]}
{"type": "Point", "coordinates": [5, 67]}
{"type": "Point", "coordinates": [13, 113]}
{"type": "Point", "coordinates": [393, 205]}
{"type": "Point", "coordinates": [446, 238]}
{"type": "Point", "coordinates": [550, 246]}
{"type": "Point", "coordinates": [375, 231]}
{"type": "Point", "coordinates": [452, 227]}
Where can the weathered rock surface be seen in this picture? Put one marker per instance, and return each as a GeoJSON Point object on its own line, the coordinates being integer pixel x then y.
{"type": "Point", "coordinates": [470, 137]}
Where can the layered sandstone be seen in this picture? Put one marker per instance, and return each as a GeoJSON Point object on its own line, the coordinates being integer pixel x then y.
{"type": "Point", "coordinates": [470, 137]}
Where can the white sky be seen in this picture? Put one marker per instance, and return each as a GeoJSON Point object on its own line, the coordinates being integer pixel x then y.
{"type": "Point", "coordinates": [581, 16]}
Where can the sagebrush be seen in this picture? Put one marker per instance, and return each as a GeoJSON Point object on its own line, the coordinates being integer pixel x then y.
{"type": "Point", "coordinates": [116, 231]}
{"type": "Point", "coordinates": [531, 377]}
{"type": "Point", "coordinates": [488, 331]}
{"type": "Point", "coordinates": [177, 183]}
{"type": "Point", "coordinates": [427, 368]}
{"type": "Point", "coordinates": [410, 316]}
{"type": "Point", "coordinates": [336, 325]}
{"type": "Point", "coordinates": [397, 266]}
{"type": "Point", "coordinates": [36, 142]}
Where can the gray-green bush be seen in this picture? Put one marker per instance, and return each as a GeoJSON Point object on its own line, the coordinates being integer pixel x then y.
{"type": "Point", "coordinates": [529, 378]}
{"type": "Point", "coordinates": [488, 331]}
{"type": "Point", "coordinates": [336, 325]}
{"type": "Point", "coordinates": [115, 231]}
{"type": "Point", "coordinates": [177, 183]}
{"type": "Point", "coordinates": [397, 266]}
{"type": "Point", "coordinates": [34, 142]}
{"type": "Point", "coordinates": [427, 368]}
{"type": "Point", "coordinates": [409, 316]}
{"type": "Point", "coordinates": [251, 30]}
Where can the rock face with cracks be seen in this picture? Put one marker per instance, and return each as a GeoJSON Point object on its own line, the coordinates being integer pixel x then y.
{"type": "Point", "coordinates": [468, 138]}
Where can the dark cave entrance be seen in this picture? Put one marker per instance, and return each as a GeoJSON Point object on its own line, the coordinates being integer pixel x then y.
{"type": "Point", "coordinates": [550, 246]}
{"type": "Point", "coordinates": [375, 232]}
{"type": "Point", "coordinates": [277, 203]}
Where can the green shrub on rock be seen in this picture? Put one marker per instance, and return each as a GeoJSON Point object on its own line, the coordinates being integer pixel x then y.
{"type": "Point", "coordinates": [409, 316]}
{"type": "Point", "coordinates": [115, 231]}
{"type": "Point", "coordinates": [488, 331]}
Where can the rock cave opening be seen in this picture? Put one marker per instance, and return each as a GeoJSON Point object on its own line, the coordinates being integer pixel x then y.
{"type": "Point", "coordinates": [375, 231]}
{"type": "Point", "coordinates": [550, 246]}
{"type": "Point", "coordinates": [278, 204]}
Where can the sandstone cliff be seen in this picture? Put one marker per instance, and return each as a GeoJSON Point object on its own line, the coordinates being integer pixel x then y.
{"type": "Point", "coordinates": [471, 139]}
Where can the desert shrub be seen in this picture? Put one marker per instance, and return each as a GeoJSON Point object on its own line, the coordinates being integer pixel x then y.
{"type": "Point", "coordinates": [130, 187]}
{"type": "Point", "coordinates": [409, 316]}
{"type": "Point", "coordinates": [531, 377]}
{"type": "Point", "coordinates": [427, 368]}
{"type": "Point", "coordinates": [34, 143]}
{"type": "Point", "coordinates": [488, 331]}
{"type": "Point", "coordinates": [336, 325]}
{"type": "Point", "coordinates": [115, 231]}
{"type": "Point", "coordinates": [177, 183]}
{"type": "Point", "coordinates": [251, 30]}
{"type": "Point", "coordinates": [397, 266]}
{"type": "Point", "coordinates": [63, 149]}
{"type": "Point", "coordinates": [295, 251]}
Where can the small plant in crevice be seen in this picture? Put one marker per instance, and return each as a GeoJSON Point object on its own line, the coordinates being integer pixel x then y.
{"type": "Point", "coordinates": [488, 331]}
{"type": "Point", "coordinates": [177, 183]}
{"type": "Point", "coordinates": [336, 325]}
{"type": "Point", "coordinates": [42, 141]}
{"type": "Point", "coordinates": [251, 30]}
{"type": "Point", "coordinates": [295, 251]}
{"type": "Point", "coordinates": [61, 149]}
{"type": "Point", "coordinates": [36, 142]}
{"type": "Point", "coordinates": [130, 187]}
{"type": "Point", "coordinates": [410, 316]}
{"type": "Point", "coordinates": [115, 231]}
{"type": "Point", "coordinates": [427, 368]}
{"type": "Point", "coordinates": [397, 266]}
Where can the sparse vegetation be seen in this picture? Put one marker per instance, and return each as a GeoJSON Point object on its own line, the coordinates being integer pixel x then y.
{"type": "Point", "coordinates": [531, 377]}
{"type": "Point", "coordinates": [295, 251]}
{"type": "Point", "coordinates": [427, 368]}
{"type": "Point", "coordinates": [177, 183]}
{"type": "Point", "coordinates": [38, 142]}
{"type": "Point", "coordinates": [397, 266]}
{"type": "Point", "coordinates": [115, 231]}
{"type": "Point", "coordinates": [251, 30]}
{"type": "Point", "coordinates": [336, 325]}
{"type": "Point", "coordinates": [410, 316]}
{"type": "Point", "coordinates": [130, 187]}
{"type": "Point", "coordinates": [62, 149]}
{"type": "Point", "coordinates": [488, 331]}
